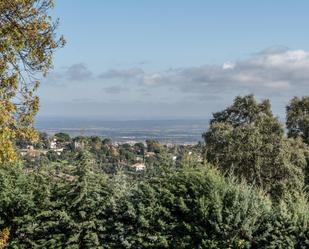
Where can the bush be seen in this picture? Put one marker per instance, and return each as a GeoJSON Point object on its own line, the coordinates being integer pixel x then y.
{"type": "Point", "coordinates": [189, 208]}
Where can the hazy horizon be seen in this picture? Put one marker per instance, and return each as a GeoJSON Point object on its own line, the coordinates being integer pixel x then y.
{"type": "Point", "coordinates": [179, 131]}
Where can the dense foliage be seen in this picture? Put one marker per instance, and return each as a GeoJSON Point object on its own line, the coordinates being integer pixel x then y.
{"type": "Point", "coordinates": [246, 138]}
{"type": "Point", "coordinates": [298, 118]}
{"type": "Point", "coordinates": [190, 207]}
{"type": "Point", "coordinates": [245, 187]}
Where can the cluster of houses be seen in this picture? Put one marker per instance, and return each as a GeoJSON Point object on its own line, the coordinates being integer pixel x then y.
{"type": "Point", "coordinates": [32, 152]}
{"type": "Point", "coordinates": [53, 145]}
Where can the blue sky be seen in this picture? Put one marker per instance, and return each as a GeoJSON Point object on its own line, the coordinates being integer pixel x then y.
{"type": "Point", "coordinates": [159, 59]}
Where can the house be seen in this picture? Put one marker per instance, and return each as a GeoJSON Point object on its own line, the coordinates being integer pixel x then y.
{"type": "Point", "coordinates": [150, 154]}
{"type": "Point", "coordinates": [34, 153]}
{"type": "Point", "coordinates": [29, 150]}
{"type": "Point", "coordinates": [58, 151]}
{"type": "Point", "coordinates": [53, 144]}
{"type": "Point", "coordinates": [139, 166]}
{"type": "Point", "coordinates": [23, 152]}
{"type": "Point", "coordinates": [30, 147]}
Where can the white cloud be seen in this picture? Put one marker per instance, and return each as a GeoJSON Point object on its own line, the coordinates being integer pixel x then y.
{"type": "Point", "coordinates": [228, 65]}
{"type": "Point", "coordinates": [274, 73]}
{"type": "Point", "coordinates": [270, 70]}
{"type": "Point", "coordinates": [151, 79]}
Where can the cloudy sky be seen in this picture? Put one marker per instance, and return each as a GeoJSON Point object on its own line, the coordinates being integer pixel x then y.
{"type": "Point", "coordinates": [131, 59]}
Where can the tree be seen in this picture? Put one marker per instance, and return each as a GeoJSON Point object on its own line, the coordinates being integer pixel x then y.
{"type": "Point", "coordinates": [62, 137]}
{"type": "Point", "coordinates": [139, 148]}
{"type": "Point", "coordinates": [126, 153]}
{"type": "Point", "coordinates": [27, 44]}
{"type": "Point", "coordinates": [96, 143]}
{"type": "Point", "coordinates": [4, 237]}
{"type": "Point", "coordinates": [71, 215]}
{"type": "Point", "coordinates": [297, 123]}
{"type": "Point", "coordinates": [244, 110]}
{"type": "Point", "coordinates": [153, 146]}
{"type": "Point", "coordinates": [188, 209]}
{"type": "Point", "coordinates": [86, 198]}
{"type": "Point", "coordinates": [107, 141]}
{"type": "Point", "coordinates": [298, 118]}
{"type": "Point", "coordinates": [249, 141]}
{"type": "Point", "coordinates": [161, 164]}
{"type": "Point", "coordinates": [43, 142]}
{"type": "Point", "coordinates": [21, 196]}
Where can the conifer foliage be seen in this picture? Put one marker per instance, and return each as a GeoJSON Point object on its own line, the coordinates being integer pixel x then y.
{"type": "Point", "coordinates": [188, 208]}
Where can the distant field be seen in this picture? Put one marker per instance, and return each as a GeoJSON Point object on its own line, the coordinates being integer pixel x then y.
{"type": "Point", "coordinates": [166, 131]}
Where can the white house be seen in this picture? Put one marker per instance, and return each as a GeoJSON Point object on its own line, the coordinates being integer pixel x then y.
{"type": "Point", "coordinates": [139, 166]}
{"type": "Point", "coordinates": [54, 147]}
{"type": "Point", "coordinates": [53, 144]}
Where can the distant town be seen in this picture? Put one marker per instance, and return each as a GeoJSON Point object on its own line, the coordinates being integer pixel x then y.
{"type": "Point", "coordinates": [130, 155]}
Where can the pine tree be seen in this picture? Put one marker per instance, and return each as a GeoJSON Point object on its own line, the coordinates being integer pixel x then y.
{"type": "Point", "coordinates": [86, 199]}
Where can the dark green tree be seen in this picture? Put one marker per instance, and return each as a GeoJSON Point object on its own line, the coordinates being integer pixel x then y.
{"type": "Point", "coordinates": [62, 137]}
{"type": "Point", "coordinates": [107, 141]}
{"type": "Point", "coordinates": [43, 142]}
{"type": "Point", "coordinates": [244, 110]}
{"type": "Point", "coordinates": [188, 209]}
{"type": "Point", "coordinates": [247, 139]}
{"type": "Point", "coordinates": [139, 148]}
{"type": "Point", "coordinates": [297, 121]}
{"type": "Point", "coordinates": [85, 200]}
{"type": "Point", "coordinates": [153, 146]}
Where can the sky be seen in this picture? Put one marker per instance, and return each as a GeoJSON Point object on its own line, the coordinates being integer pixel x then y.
{"type": "Point", "coordinates": [175, 59]}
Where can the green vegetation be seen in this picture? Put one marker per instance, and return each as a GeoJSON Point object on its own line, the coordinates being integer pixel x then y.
{"type": "Point", "coordinates": [244, 187]}
{"type": "Point", "coordinates": [27, 43]}
{"type": "Point", "coordinates": [249, 140]}
{"type": "Point", "coordinates": [191, 207]}
{"type": "Point", "coordinates": [298, 119]}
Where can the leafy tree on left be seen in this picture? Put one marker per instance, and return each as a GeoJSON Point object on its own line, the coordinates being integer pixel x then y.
{"type": "Point", "coordinates": [27, 43]}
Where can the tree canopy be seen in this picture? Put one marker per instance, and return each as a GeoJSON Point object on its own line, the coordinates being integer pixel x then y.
{"type": "Point", "coordinates": [297, 121]}
{"type": "Point", "coordinates": [249, 141]}
{"type": "Point", "coordinates": [27, 43]}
